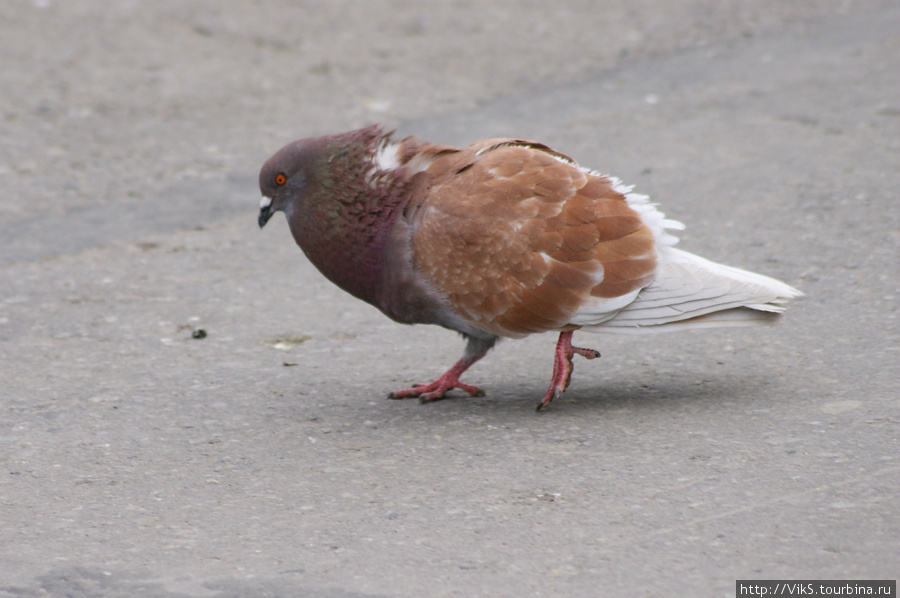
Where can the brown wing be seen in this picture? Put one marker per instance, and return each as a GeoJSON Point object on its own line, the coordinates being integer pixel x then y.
{"type": "Point", "coordinates": [518, 238]}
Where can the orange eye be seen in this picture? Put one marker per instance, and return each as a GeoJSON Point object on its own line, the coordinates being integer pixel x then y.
{"type": "Point", "coordinates": [280, 179]}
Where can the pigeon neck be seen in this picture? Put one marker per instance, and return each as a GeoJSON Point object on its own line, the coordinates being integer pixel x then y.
{"type": "Point", "coordinates": [345, 229]}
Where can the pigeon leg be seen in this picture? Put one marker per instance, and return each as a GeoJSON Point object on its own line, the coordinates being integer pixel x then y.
{"type": "Point", "coordinates": [475, 349]}
{"type": "Point", "coordinates": [562, 366]}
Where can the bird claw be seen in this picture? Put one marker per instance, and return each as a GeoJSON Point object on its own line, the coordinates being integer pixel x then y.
{"type": "Point", "coordinates": [552, 393]}
{"type": "Point", "coordinates": [586, 353]}
{"type": "Point", "coordinates": [436, 390]}
{"type": "Point", "coordinates": [562, 368]}
{"type": "Point", "coordinates": [448, 381]}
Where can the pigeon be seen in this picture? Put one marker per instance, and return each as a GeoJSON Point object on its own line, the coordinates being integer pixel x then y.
{"type": "Point", "coordinates": [503, 238]}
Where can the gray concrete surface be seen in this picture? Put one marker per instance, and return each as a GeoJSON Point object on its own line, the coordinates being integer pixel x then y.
{"type": "Point", "coordinates": [264, 460]}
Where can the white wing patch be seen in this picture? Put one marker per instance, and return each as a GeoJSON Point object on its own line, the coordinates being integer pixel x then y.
{"type": "Point", "coordinates": [386, 157]}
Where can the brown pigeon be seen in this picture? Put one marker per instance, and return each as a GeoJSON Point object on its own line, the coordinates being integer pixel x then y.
{"type": "Point", "coordinates": [503, 238]}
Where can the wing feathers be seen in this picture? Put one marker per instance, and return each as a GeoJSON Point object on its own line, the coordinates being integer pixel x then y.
{"type": "Point", "coordinates": [526, 222]}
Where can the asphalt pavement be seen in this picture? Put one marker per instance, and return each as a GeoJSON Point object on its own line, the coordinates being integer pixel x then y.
{"type": "Point", "coordinates": [190, 410]}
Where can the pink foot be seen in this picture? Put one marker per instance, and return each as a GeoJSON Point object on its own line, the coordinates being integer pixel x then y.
{"type": "Point", "coordinates": [448, 381]}
{"type": "Point", "coordinates": [562, 367]}
{"type": "Point", "coordinates": [436, 390]}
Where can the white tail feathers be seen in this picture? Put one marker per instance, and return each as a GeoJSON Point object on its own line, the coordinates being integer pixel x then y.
{"type": "Point", "coordinates": [692, 292]}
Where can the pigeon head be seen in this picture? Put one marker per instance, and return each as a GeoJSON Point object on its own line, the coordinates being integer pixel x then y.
{"type": "Point", "coordinates": [285, 177]}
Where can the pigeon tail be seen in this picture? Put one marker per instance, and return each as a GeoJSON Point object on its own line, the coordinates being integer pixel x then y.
{"type": "Point", "coordinates": [692, 292]}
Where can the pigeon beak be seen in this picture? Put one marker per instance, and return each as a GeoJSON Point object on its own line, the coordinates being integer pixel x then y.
{"type": "Point", "coordinates": [265, 210]}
